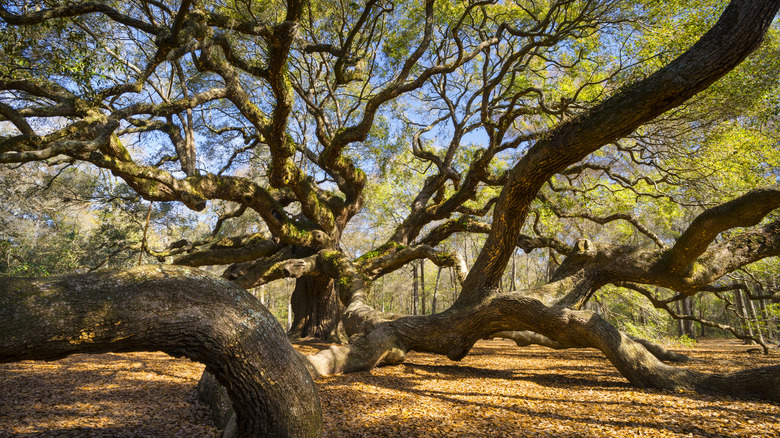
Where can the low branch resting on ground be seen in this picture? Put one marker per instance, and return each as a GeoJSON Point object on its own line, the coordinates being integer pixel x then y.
{"type": "Point", "coordinates": [181, 311]}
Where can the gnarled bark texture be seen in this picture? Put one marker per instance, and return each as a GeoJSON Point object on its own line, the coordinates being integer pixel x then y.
{"type": "Point", "coordinates": [316, 310]}
{"type": "Point", "coordinates": [454, 332]}
{"type": "Point", "coordinates": [315, 304]}
{"type": "Point", "coordinates": [177, 310]}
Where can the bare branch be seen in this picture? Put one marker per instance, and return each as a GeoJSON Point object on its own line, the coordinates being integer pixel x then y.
{"type": "Point", "coordinates": [75, 10]}
{"type": "Point", "coordinates": [386, 263]}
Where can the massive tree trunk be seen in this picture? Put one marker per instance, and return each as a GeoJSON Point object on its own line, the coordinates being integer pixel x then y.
{"type": "Point", "coordinates": [314, 303]}
{"type": "Point", "coordinates": [316, 310]}
{"type": "Point", "coordinates": [315, 306]}
{"type": "Point", "coordinates": [177, 310]}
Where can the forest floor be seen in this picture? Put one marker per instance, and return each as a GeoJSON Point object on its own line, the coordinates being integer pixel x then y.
{"type": "Point", "coordinates": [496, 391]}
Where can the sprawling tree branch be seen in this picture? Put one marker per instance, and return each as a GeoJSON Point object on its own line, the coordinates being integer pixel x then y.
{"type": "Point", "coordinates": [380, 265]}
{"type": "Point", "coordinates": [229, 252]}
{"type": "Point", "coordinates": [37, 17]}
{"type": "Point", "coordinates": [745, 211]}
{"type": "Point", "coordinates": [180, 311]}
{"type": "Point", "coordinates": [456, 330]}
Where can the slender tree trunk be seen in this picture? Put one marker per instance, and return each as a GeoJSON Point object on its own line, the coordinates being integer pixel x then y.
{"type": "Point", "coordinates": [743, 314]}
{"type": "Point", "coordinates": [415, 290]}
{"type": "Point", "coordinates": [422, 286]}
{"type": "Point", "coordinates": [435, 289]}
{"type": "Point", "coordinates": [770, 323]}
{"type": "Point", "coordinates": [289, 311]}
{"type": "Point", "coordinates": [754, 317]}
{"type": "Point", "coordinates": [261, 296]}
{"type": "Point", "coordinates": [702, 327]}
{"type": "Point", "coordinates": [770, 318]}
{"type": "Point", "coordinates": [551, 266]}
{"type": "Point", "coordinates": [382, 298]}
{"type": "Point", "coordinates": [688, 327]}
{"type": "Point", "coordinates": [453, 287]}
{"type": "Point", "coordinates": [680, 322]}
{"type": "Point", "coordinates": [465, 252]}
{"type": "Point", "coordinates": [740, 312]}
{"type": "Point", "coordinates": [177, 310]}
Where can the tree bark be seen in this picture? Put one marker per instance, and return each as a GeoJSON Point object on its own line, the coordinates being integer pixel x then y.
{"type": "Point", "coordinates": [415, 290]}
{"type": "Point", "coordinates": [316, 310]}
{"type": "Point", "coordinates": [754, 318]}
{"type": "Point", "coordinates": [435, 289]}
{"type": "Point", "coordinates": [687, 325]}
{"type": "Point", "coordinates": [770, 321]}
{"type": "Point", "coordinates": [454, 331]}
{"type": "Point", "coordinates": [743, 317]}
{"type": "Point", "coordinates": [513, 285]}
{"type": "Point", "coordinates": [422, 287]}
{"type": "Point", "coordinates": [177, 310]}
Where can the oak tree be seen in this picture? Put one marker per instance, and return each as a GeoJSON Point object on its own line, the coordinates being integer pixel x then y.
{"type": "Point", "coordinates": [288, 109]}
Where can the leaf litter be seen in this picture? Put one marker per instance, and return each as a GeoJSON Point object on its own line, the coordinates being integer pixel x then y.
{"type": "Point", "coordinates": [498, 390]}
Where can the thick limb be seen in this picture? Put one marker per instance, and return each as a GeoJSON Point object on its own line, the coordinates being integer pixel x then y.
{"type": "Point", "coordinates": [524, 338]}
{"type": "Point", "coordinates": [454, 332]}
{"type": "Point", "coordinates": [181, 311]}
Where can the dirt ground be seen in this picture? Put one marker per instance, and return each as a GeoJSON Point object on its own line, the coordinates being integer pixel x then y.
{"type": "Point", "coordinates": [496, 391]}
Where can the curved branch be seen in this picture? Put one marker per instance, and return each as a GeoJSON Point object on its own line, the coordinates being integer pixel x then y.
{"type": "Point", "coordinates": [37, 17]}
{"type": "Point", "coordinates": [528, 244]}
{"type": "Point", "coordinates": [744, 211]}
{"type": "Point", "coordinates": [381, 265]}
{"type": "Point", "coordinates": [282, 264]}
{"type": "Point", "coordinates": [181, 311]}
{"type": "Point", "coordinates": [452, 226]}
{"type": "Point", "coordinates": [10, 114]}
{"type": "Point", "coordinates": [220, 254]}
